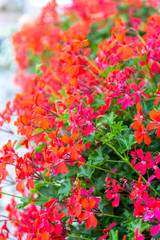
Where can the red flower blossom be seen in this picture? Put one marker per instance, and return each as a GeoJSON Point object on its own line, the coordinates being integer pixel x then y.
{"type": "Point", "coordinates": [157, 93]}
{"type": "Point", "coordinates": [146, 161]}
{"type": "Point", "coordinates": [154, 115]}
{"type": "Point", "coordinates": [141, 133]}
{"type": "Point", "coordinates": [139, 91]}
{"type": "Point", "coordinates": [114, 194]}
{"type": "Point", "coordinates": [107, 231]}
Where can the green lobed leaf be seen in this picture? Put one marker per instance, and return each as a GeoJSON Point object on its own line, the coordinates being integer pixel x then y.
{"type": "Point", "coordinates": [96, 158]}
{"type": "Point", "coordinates": [127, 143]}
{"type": "Point", "coordinates": [107, 118]}
{"type": "Point", "coordinates": [64, 189]}
{"type": "Point", "coordinates": [85, 171]}
{"type": "Point", "coordinates": [99, 101]}
{"type": "Point", "coordinates": [89, 138]}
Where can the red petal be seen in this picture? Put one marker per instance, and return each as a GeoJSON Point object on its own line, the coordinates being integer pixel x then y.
{"type": "Point", "coordinates": [84, 203]}
{"type": "Point", "coordinates": [79, 146]}
{"type": "Point", "coordinates": [65, 139]}
{"type": "Point", "coordinates": [140, 153]}
{"type": "Point", "coordinates": [158, 132]}
{"type": "Point", "coordinates": [82, 216]}
{"type": "Point", "coordinates": [62, 168]}
{"type": "Point", "coordinates": [30, 184]}
{"type": "Point", "coordinates": [92, 203]}
{"type": "Point", "coordinates": [151, 126]}
{"type": "Point", "coordinates": [58, 229]}
{"type": "Point", "coordinates": [157, 172]}
{"type": "Point", "coordinates": [155, 230]}
{"type": "Point", "coordinates": [20, 186]}
{"type": "Point", "coordinates": [153, 114]}
{"type": "Point", "coordinates": [44, 124]}
{"type": "Point", "coordinates": [91, 222]}
{"type": "Point", "coordinates": [74, 155]}
{"type": "Point", "coordinates": [115, 202]}
{"type": "Point", "coordinates": [62, 214]}
{"type": "Point", "coordinates": [45, 236]}
{"type": "Point", "coordinates": [74, 136]}
{"type": "Point", "coordinates": [156, 101]}
{"type": "Point", "coordinates": [147, 139]}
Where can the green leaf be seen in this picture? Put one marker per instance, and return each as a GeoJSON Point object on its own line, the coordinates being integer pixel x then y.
{"type": "Point", "coordinates": [99, 182]}
{"type": "Point", "coordinates": [137, 223]}
{"type": "Point", "coordinates": [17, 144]}
{"type": "Point", "coordinates": [113, 235]}
{"type": "Point", "coordinates": [144, 58]}
{"type": "Point", "coordinates": [64, 117]}
{"type": "Point", "coordinates": [85, 171]}
{"type": "Point", "coordinates": [38, 130]}
{"type": "Point", "coordinates": [24, 202]}
{"type": "Point", "coordinates": [107, 118]}
{"type": "Point", "coordinates": [96, 158]}
{"type": "Point", "coordinates": [119, 127]}
{"type": "Point", "coordinates": [38, 70]}
{"type": "Point", "coordinates": [99, 101]}
{"type": "Point", "coordinates": [40, 147]}
{"type": "Point", "coordinates": [105, 73]}
{"type": "Point", "coordinates": [39, 184]}
{"type": "Point", "coordinates": [64, 189]}
{"type": "Point", "coordinates": [25, 199]}
{"type": "Point", "coordinates": [49, 191]}
{"type": "Point", "coordinates": [89, 138]}
{"type": "Point", "coordinates": [19, 206]}
{"type": "Point", "coordinates": [127, 143]}
{"type": "Point", "coordinates": [136, 61]}
{"type": "Point", "coordinates": [107, 137]}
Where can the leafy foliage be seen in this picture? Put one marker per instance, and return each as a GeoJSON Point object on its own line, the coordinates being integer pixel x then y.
{"type": "Point", "coordinates": [88, 117]}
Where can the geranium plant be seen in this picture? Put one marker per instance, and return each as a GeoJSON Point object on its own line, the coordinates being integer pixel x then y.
{"type": "Point", "coordinates": [88, 117]}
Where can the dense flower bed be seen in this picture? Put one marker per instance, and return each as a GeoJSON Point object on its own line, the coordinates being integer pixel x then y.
{"type": "Point", "coordinates": [89, 119]}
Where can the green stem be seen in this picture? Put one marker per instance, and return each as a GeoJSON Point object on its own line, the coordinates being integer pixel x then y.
{"type": "Point", "coordinates": [14, 220]}
{"type": "Point", "coordinates": [10, 195]}
{"type": "Point", "coordinates": [109, 215]}
{"type": "Point", "coordinates": [80, 233]}
{"type": "Point", "coordinates": [52, 71]}
{"type": "Point", "coordinates": [102, 169]}
{"type": "Point", "coordinates": [99, 96]}
{"type": "Point", "coordinates": [124, 159]}
{"type": "Point", "coordinates": [153, 189]}
{"type": "Point", "coordinates": [74, 236]}
{"type": "Point", "coordinates": [93, 65]}
{"type": "Point", "coordinates": [113, 129]}
{"type": "Point", "coordinates": [42, 195]}
{"type": "Point", "coordinates": [128, 162]}
{"type": "Point", "coordinates": [141, 38]}
{"type": "Point", "coordinates": [94, 75]}
{"type": "Point", "coordinates": [57, 185]}
{"type": "Point", "coordinates": [113, 161]}
{"type": "Point", "coordinates": [99, 79]}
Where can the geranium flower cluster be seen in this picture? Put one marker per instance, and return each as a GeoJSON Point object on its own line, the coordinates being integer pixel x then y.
{"type": "Point", "coordinates": [88, 120]}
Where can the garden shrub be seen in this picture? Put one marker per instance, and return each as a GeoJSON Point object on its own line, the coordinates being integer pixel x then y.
{"type": "Point", "coordinates": [88, 117]}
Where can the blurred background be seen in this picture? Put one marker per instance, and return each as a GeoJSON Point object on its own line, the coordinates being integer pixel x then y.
{"type": "Point", "coordinates": [13, 13]}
